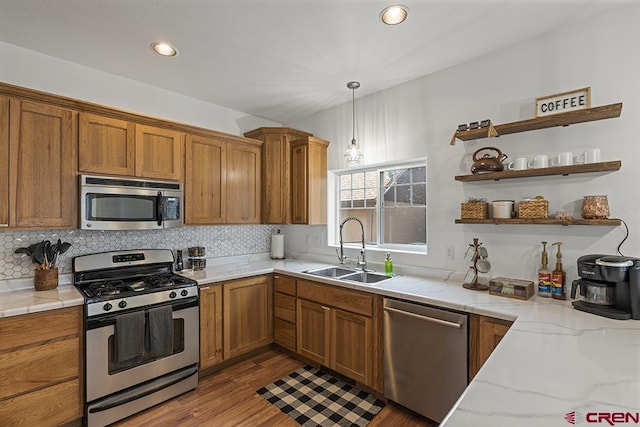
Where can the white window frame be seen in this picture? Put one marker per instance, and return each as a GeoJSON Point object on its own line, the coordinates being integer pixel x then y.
{"type": "Point", "coordinates": [333, 217]}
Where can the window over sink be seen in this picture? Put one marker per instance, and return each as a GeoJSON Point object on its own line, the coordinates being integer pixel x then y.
{"type": "Point", "coordinates": [391, 202]}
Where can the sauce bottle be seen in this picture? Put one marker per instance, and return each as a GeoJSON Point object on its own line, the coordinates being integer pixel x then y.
{"type": "Point", "coordinates": [558, 277]}
{"type": "Point", "coordinates": [544, 275]}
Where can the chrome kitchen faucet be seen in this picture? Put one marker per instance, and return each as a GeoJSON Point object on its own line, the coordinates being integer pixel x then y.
{"type": "Point", "coordinates": [342, 257]}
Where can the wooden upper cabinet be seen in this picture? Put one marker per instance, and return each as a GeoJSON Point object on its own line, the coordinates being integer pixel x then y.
{"type": "Point", "coordinates": [4, 161]}
{"type": "Point", "coordinates": [243, 183]}
{"type": "Point", "coordinates": [158, 153]}
{"type": "Point", "coordinates": [106, 145]}
{"type": "Point", "coordinates": [42, 153]}
{"type": "Point", "coordinates": [309, 181]}
{"type": "Point", "coordinates": [120, 147]}
{"type": "Point", "coordinates": [276, 171]}
{"type": "Point", "coordinates": [205, 180]}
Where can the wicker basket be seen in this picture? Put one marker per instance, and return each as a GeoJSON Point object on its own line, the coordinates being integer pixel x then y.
{"type": "Point", "coordinates": [474, 210]}
{"type": "Point", "coordinates": [537, 208]}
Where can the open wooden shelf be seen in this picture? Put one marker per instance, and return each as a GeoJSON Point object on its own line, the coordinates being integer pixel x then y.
{"type": "Point", "coordinates": [554, 170]}
{"type": "Point", "coordinates": [548, 221]}
{"type": "Point", "coordinates": [564, 119]}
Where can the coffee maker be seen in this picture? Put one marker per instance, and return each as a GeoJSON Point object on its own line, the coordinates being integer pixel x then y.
{"type": "Point", "coordinates": [609, 286]}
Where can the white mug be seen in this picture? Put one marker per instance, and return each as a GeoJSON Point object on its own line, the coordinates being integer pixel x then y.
{"type": "Point", "coordinates": [519, 164]}
{"type": "Point", "coordinates": [591, 155]}
{"type": "Point", "coordinates": [563, 159]}
{"type": "Point", "coordinates": [539, 161]}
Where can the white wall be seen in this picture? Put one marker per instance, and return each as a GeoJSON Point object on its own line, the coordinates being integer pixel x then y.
{"type": "Point", "coordinates": [27, 68]}
{"type": "Point", "coordinates": [418, 118]}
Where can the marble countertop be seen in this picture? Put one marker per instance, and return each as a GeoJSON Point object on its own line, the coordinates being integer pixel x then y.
{"type": "Point", "coordinates": [553, 361]}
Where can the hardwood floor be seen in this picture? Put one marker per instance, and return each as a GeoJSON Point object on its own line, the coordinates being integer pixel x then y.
{"type": "Point", "coordinates": [228, 398]}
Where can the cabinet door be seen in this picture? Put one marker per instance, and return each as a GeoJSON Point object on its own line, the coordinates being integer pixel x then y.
{"type": "Point", "coordinates": [210, 326]}
{"type": "Point", "coordinates": [352, 348]}
{"type": "Point", "coordinates": [243, 184]}
{"type": "Point", "coordinates": [158, 153]}
{"type": "Point", "coordinates": [247, 315]}
{"type": "Point", "coordinates": [299, 190]}
{"type": "Point", "coordinates": [485, 335]}
{"type": "Point", "coordinates": [4, 161]}
{"type": "Point", "coordinates": [275, 179]}
{"type": "Point", "coordinates": [42, 166]}
{"type": "Point", "coordinates": [317, 181]}
{"type": "Point", "coordinates": [313, 330]}
{"type": "Point", "coordinates": [106, 145]}
{"type": "Point", "coordinates": [205, 180]}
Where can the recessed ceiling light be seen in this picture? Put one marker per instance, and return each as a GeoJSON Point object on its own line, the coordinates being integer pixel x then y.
{"type": "Point", "coordinates": [164, 49]}
{"type": "Point", "coordinates": [394, 14]}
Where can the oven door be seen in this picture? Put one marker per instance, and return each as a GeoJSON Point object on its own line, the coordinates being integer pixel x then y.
{"type": "Point", "coordinates": [105, 375]}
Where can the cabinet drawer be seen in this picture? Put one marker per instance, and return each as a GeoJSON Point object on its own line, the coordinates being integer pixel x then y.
{"type": "Point", "coordinates": [285, 334]}
{"type": "Point", "coordinates": [18, 331]}
{"type": "Point", "coordinates": [50, 406]}
{"type": "Point", "coordinates": [284, 284]}
{"type": "Point", "coordinates": [346, 299]}
{"type": "Point", "coordinates": [284, 301]}
{"type": "Point", "coordinates": [31, 368]}
{"type": "Point", "coordinates": [285, 314]}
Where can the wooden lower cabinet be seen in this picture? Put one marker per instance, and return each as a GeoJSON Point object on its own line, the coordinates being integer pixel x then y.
{"type": "Point", "coordinates": [40, 368]}
{"type": "Point", "coordinates": [341, 329]}
{"type": "Point", "coordinates": [210, 325]}
{"type": "Point", "coordinates": [284, 311]}
{"type": "Point", "coordinates": [247, 315]}
{"type": "Point", "coordinates": [484, 336]}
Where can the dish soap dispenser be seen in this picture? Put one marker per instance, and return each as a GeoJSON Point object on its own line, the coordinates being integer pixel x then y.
{"type": "Point", "coordinates": [388, 265]}
{"type": "Point", "coordinates": [544, 275]}
{"type": "Point", "coordinates": [558, 277]}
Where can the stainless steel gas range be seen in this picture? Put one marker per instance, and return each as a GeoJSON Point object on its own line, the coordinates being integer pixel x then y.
{"type": "Point", "coordinates": [141, 332]}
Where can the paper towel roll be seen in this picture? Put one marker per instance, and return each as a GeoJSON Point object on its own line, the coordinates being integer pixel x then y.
{"type": "Point", "coordinates": [277, 246]}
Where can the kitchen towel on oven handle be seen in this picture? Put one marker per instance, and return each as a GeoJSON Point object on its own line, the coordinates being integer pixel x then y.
{"type": "Point", "coordinates": [130, 330]}
{"type": "Point", "coordinates": [161, 331]}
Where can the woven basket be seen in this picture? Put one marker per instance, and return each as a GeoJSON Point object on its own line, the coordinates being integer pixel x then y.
{"type": "Point", "coordinates": [474, 210]}
{"type": "Point", "coordinates": [538, 208]}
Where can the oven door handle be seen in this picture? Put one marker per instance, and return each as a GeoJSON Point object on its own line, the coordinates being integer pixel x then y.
{"type": "Point", "coordinates": [151, 388]}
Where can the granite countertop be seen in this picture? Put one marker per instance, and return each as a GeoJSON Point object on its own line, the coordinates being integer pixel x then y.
{"type": "Point", "coordinates": [554, 360]}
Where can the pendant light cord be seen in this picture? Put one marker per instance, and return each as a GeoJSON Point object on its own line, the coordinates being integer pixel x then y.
{"type": "Point", "coordinates": [353, 116]}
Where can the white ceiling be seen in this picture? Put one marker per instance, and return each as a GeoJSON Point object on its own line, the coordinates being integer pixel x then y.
{"type": "Point", "coordinates": [279, 59]}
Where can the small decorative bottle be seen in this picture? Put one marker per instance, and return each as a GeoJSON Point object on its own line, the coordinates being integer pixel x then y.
{"type": "Point", "coordinates": [388, 265]}
{"type": "Point", "coordinates": [544, 275]}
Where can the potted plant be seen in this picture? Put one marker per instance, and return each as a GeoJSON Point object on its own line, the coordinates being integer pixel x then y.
{"type": "Point", "coordinates": [45, 255]}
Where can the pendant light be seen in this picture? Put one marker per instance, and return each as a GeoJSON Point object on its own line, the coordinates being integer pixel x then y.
{"type": "Point", "coordinates": [353, 156]}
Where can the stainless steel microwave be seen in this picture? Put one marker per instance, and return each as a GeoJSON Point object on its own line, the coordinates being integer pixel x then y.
{"type": "Point", "coordinates": [115, 203]}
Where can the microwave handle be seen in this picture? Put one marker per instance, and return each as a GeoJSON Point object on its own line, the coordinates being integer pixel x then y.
{"type": "Point", "coordinates": [160, 208]}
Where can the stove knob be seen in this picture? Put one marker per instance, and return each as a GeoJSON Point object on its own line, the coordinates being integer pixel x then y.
{"type": "Point", "coordinates": [184, 293]}
{"type": "Point", "coordinates": [173, 294]}
{"type": "Point", "coordinates": [122, 304]}
{"type": "Point", "coordinates": [107, 307]}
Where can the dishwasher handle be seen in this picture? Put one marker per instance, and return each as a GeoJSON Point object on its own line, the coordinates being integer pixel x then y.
{"type": "Point", "coordinates": [424, 318]}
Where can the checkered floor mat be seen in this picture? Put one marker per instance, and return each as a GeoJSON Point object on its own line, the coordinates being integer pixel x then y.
{"type": "Point", "coordinates": [314, 398]}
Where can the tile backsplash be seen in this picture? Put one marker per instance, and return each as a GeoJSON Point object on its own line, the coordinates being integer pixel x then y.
{"type": "Point", "coordinates": [219, 240]}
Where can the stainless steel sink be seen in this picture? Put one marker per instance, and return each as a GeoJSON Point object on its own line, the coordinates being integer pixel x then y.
{"type": "Point", "coordinates": [332, 272]}
{"type": "Point", "coordinates": [365, 277]}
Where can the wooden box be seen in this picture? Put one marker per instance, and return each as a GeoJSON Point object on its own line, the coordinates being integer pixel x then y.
{"type": "Point", "coordinates": [511, 288]}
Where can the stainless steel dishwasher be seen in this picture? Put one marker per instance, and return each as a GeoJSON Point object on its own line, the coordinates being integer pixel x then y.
{"type": "Point", "coordinates": [425, 357]}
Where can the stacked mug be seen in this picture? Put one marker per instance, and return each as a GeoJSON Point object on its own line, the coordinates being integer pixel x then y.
{"type": "Point", "coordinates": [591, 155]}
{"type": "Point", "coordinates": [196, 258]}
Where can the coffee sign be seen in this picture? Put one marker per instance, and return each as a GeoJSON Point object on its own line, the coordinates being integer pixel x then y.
{"type": "Point", "coordinates": [579, 99]}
